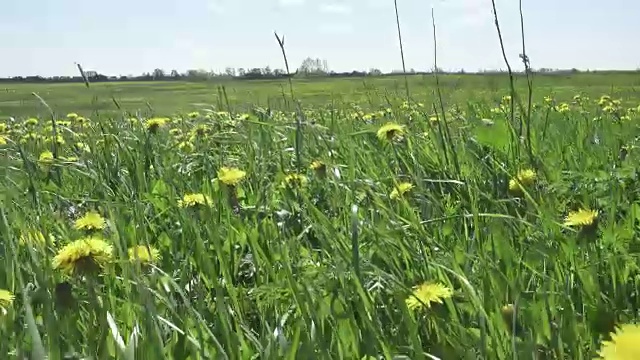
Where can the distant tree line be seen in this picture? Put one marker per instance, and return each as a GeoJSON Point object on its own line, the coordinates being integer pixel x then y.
{"type": "Point", "coordinates": [309, 68]}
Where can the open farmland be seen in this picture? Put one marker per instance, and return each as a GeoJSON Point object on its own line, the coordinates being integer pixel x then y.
{"type": "Point", "coordinates": [197, 220]}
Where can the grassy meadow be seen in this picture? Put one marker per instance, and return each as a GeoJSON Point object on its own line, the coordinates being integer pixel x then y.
{"type": "Point", "coordinates": [341, 219]}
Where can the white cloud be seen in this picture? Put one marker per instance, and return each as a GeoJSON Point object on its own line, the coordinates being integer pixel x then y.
{"type": "Point", "coordinates": [285, 3]}
{"type": "Point", "coordinates": [335, 8]}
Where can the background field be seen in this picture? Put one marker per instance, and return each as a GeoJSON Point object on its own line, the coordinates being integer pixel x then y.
{"type": "Point", "coordinates": [166, 98]}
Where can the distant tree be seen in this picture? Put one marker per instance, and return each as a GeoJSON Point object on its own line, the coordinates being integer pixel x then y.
{"type": "Point", "coordinates": [242, 72]}
{"type": "Point", "coordinates": [197, 75]}
{"type": "Point", "coordinates": [158, 74]}
{"type": "Point", "coordinates": [278, 72]}
{"type": "Point", "coordinates": [374, 72]}
{"type": "Point", "coordinates": [230, 71]}
{"type": "Point", "coordinates": [311, 66]}
{"type": "Point", "coordinates": [175, 74]}
{"type": "Point", "coordinates": [267, 71]}
{"type": "Point", "coordinates": [253, 73]}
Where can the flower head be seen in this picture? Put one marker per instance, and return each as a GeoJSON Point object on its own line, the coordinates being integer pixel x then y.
{"type": "Point", "coordinates": [3, 139]}
{"type": "Point", "coordinates": [194, 200]}
{"type": "Point", "coordinates": [146, 255]}
{"type": "Point", "coordinates": [400, 190]}
{"type": "Point", "coordinates": [319, 167]}
{"type": "Point", "coordinates": [582, 217]}
{"type": "Point", "coordinates": [90, 221]}
{"type": "Point", "coordinates": [427, 293]}
{"type": "Point", "coordinates": [623, 344]}
{"type": "Point", "coordinates": [72, 116]}
{"type": "Point", "coordinates": [46, 157]}
{"type": "Point", "coordinates": [523, 178]}
{"type": "Point", "coordinates": [80, 146]}
{"type": "Point", "coordinates": [81, 121]}
{"type": "Point", "coordinates": [83, 256]}
{"type": "Point", "coordinates": [231, 176]}
{"type": "Point", "coordinates": [390, 131]}
{"type": "Point", "coordinates": [6, 297]}
{"type": "Point", "coordinates": [194, 114]}
{"type": "Point", "coordinates": [154, 124]}
{"type": "Point", "coordinates": [200, 131]}
{"type": "Point", "coordinates": [31, 122]}
{"type": "Point", "coordinates": [295, 180]}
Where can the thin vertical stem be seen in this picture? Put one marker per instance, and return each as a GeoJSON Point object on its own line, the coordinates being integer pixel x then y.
{"type": "Point", "coordinates": [404, 67]}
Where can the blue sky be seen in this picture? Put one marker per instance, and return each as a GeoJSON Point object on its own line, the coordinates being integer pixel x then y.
{"type": "Point", "coordinates": [46, 37]}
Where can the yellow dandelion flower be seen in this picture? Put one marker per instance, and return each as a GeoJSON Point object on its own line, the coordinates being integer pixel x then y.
{"type": "Point", "coordinates": [175, 131]}
{"type": "Point", "coordinates": [425, 294]}
{"type": "Point", "coordinates": [63, 123]}
{"type": "Point", "coordinates": [623, 344]}
{"type": "Point", "coordinates": [72, 116]}
{"type": "Point", "coordinates": [83, 256]}
{"type": "Point", "coordinates": [390, 131]}
{"type": "Point", "coordinates": [3, 128]}
{"type": "Point", "coordinates": [563, 108]}
{"type": "Point", "coordinates": [295, 180]}
{"type": "Point", "coordinates": [400, 190]}
{"type": "Point", "coordinates": [319, 167]}
{"type": "Point", "coordinates": [193, 114]}
{"type": "Point", "coordinates": [90, 221]}
{"type": "Point", "coordinates": [523, 178]}
{"type": "Point", "coordinates": [154, 124]}
{"type": "Point", "coordinates": [231, 176]}
{"type": "Point", "coordinates": [82, 147]}
{"type": "Point", "coordinates": [6, 298]}
{"type": "Point", "coordinates": [194, 200]}
{"type": "Point", "coordinates": [3, 139]}
{"type": "Point", "coordinates": [46, 157]}
{"type": "Point", "coordinates": [200, 131]}
{"type": "Point", "coordinates": [80, 120]}
{"type": "Point", "coordinates": [146, 255]}
{"type": "Point", "coordinates": [582, 217]}
{"type": "Point", "coordinates": [31, 122]}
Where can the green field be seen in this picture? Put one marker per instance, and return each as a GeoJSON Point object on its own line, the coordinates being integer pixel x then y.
{"type": "Point", "coordinates": [167, 98]}
{"type": "Point", "coordinates": [228, 221]}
